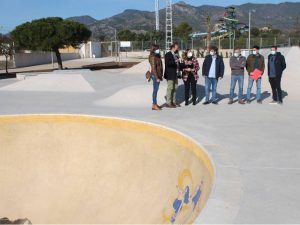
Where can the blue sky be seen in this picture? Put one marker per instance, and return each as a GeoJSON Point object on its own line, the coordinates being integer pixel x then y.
{"type": "Point", "coordinates": [15, 12]}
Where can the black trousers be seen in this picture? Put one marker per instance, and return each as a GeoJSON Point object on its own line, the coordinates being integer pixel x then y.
{"type": "Point", "coordinates": [190, 84]}
{"type": "Point", "coordinates": [276, 88]}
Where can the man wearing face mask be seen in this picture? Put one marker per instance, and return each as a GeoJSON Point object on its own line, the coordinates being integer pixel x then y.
{"type": "Point", "coordinates": [213, 70]}
{"type": "Point", "coordinates": [237, 64]}
{"type": "Point", "coordinates": [171, 75]}
{"type": "Point", "coordinates": [276, 66]}
{"type": "Point", "coordinates": [255, 61]}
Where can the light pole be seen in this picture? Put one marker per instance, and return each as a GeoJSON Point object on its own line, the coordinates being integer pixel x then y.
{"type": "Point", "coordinates": [250, 14]}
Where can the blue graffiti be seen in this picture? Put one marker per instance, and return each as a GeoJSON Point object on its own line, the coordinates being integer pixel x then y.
{"type": "Point", "coordinates": [187, 195]}
{"type": "Point", "coordinates": [196, 198]}
{"type": "Point", "coordinates": [184, 198]}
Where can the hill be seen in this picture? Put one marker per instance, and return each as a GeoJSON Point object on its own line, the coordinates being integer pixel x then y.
{"type": "Point", "coordinates": [280, 16]}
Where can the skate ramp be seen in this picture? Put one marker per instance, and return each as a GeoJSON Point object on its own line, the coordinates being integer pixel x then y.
{"type": "Point", "coordinates": [91, 170]}
{"type": "Point", "coordinates": [137, 96]}
{"type": "Point", "coordinates": [52, 82]}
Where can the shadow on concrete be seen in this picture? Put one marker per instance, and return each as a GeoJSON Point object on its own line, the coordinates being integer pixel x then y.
{"type": "Point", "coordinates": [7, 76]}
{"type": "Point", "coordinates": [181, 94]}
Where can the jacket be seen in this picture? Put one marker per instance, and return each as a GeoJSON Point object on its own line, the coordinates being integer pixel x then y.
{"type": "Point", "coordinates": [220, 67]}
{"type": "Point", "coordinates": [237, 65]}
{"type": "Point", "coordinates": [156, 66]}
{"type": "Point", "coordinates": [196, 67]}
{"type": "Point", "coordinates": [280, 64]}
{"type": "Point", "coordinates": [171, 67]}
{"type": "Point", "coordinates": [250, 63]}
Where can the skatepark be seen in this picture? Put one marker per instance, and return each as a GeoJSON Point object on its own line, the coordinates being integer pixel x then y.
{"type": "Point", "coordinates": [97, 127]}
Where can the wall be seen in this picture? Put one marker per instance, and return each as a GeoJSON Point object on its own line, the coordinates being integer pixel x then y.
{"type": "Point", "coordinates": [90, 50]}
{"type": "Point", "coordinates": [39, 58]}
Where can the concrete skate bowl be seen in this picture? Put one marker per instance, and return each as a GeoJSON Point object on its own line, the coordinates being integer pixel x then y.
{"type": "Point", "coordinates": [63, 169]}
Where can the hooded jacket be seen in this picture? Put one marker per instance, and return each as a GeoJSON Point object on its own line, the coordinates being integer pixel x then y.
{"type": "Point", "coordinates": [280, 64]}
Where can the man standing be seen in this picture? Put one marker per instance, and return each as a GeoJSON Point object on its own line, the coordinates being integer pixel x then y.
{"type": "Point", "coordinates": [171, 75]}
{"type": "Point", "coordinates": [237, 64]}
{"type": "Point", "coordinates": [276, 66]}
{"type": "Point", "coordinates": [255, 61]}
{"type": "Point", "coordinates": [213, 70]}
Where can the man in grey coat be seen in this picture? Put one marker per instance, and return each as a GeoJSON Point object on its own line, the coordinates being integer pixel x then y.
{"type": "Point", "coordinates": [237, 64]}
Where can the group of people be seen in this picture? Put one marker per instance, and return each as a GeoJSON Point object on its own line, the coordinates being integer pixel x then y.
{"type": "Point", "coordinates": [187, 68]}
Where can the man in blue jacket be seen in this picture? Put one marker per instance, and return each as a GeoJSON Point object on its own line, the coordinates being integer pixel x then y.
{"type": "Point", "coordinates": [276, 66]}
{"type": "Point", "coordinates": [213, 70]}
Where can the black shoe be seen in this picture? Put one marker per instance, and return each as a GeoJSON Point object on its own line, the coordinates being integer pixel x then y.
{"type": "Point", "coordinates": [280, 103]}
{"type": "Point", "coordinates": [215, 103]}
{"type": "Point", "coordinates": [248, 102]}
{"type": "Point", "coordinates": [206, 103]}
{"type": "Point", "coordinates": [194, 103]}
{"type": "Point", "coordinates": [230, 102]}
{"type": "Point", "coordinates": [259, 102]}
{"type": "Point", "coordinates": [186, 103]}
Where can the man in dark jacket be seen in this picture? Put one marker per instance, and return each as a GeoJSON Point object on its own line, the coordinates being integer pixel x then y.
{"type": "Point", "coordinates": [213, 70]}
{"type": "Point", "coordinates": [276, 66]}
{"type": "Point", "coordinates": [171, 75]}
{"type": "Point", "coordinates": [255, 61]}
{"type": "Point", "coordinates": [237, 65]}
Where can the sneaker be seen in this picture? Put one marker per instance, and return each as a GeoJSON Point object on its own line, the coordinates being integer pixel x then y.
{"type": "Point", "coordinates": [280, 103]}
{"type": "Point", "coordinates": [215, 103]}
{"type": "Point", "coordinates": [170, 106]}
{"type": "Point", "coordinates": [194, 103]}
{"type": "Point", "coordinates": [273, 103]}
{"type": "Point", "coordinates": [230, 102]}
{"type": "Point", "coordinates": [186, 103]}
{"type": "Point", "coordinates": [248, 102]}
{"type": "Point", "coordinates": [206, 103]}
{"type": "Point", "coordinates": [259, 102]}
{"type": "Point", "coordinates": [242, 102]}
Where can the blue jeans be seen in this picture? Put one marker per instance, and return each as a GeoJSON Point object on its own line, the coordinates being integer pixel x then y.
{"type": "Point", "coordinates": [155, 89]}
{"type": "Point", "coordinates": [258, 87]}
{"type": "Point", "coordinates": [234, 80]}
{"type": "Point", "coordinates": [211, 83]}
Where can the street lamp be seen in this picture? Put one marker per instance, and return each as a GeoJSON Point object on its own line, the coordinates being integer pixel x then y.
{"type": "Point", "coordinates": [250, 14]}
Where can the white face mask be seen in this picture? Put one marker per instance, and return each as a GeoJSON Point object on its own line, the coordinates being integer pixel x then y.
{"type": "Point", "coordinates": [236, 54]}
{"type": "Point", "coordinates": [273, 52]}
{"type": "Point", "coordinates": [190, 55]}
{"type": "Point", "coordinates": [212, 53]}
{"type": "Point", "coordinates": [157, 52]}
{"type": "Point", "coordinates": [254, 52]}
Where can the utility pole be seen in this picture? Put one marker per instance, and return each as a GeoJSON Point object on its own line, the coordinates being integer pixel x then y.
{"type": "Point", "coordinates": [250, 14]}
{"type": "Point", "coordinates": [157, 14]}
{"type": "Point", "coordinates": [249, 38]}
{"type": "Point", "coordinates": [209, 31]}
{"type": "Point", "coordinates": [169, 24]}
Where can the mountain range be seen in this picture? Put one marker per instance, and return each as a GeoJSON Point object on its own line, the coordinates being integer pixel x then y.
{"type": "Point", "coordinates": [284, 16]}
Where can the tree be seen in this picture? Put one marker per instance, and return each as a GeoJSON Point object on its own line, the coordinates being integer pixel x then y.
{"type": "Point", "coordinates": [183, 31]}
{"type": "Point", "coordinates": [50, 34]}
{"type": "Point", "coordinates": [126, 35]}
{"type": "Point", "coordinates": [7, 51]}
{"type": "Point", "coordinates": [255, 32]}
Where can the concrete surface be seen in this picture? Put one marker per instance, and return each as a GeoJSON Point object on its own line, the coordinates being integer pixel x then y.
{"type": "Point", "coordinates": [255, 148]}
{"type": "Point", "coordinates": [76, 63]}
{"type": "Point", "coordinates": [87, 170]}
